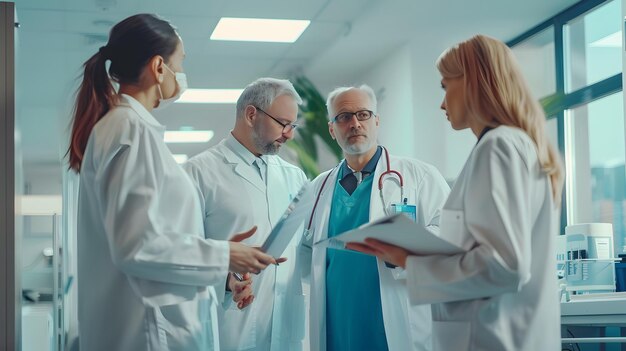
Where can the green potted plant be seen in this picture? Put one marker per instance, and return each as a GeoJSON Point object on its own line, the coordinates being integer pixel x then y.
{"type": "Point", "coordinates": [314, 128]}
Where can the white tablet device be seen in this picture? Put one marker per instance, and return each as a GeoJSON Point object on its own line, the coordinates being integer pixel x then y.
{"type": "Point", "coordinates": [290, 223]}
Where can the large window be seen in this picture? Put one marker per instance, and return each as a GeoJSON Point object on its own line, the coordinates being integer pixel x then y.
{"type": "Point", "coordinates": [593, 44]}
{"type": "Point", "coordinates": [594, 140]}
{"type": "Point", "coordinates": [585, 106]}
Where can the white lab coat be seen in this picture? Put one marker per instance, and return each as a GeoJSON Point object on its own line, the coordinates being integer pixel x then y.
{"type": "Point", "coordinates": [143, 264]}
{"type": "Point", "coordinates": [502, 293]}
{"type": "Point", "coordinates": [407, 327]}
{"type": "Point", "coordinates": [236, 198]}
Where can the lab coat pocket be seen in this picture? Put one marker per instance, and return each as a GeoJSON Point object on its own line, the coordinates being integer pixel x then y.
{"type": "Point", "coordinates": [296, 304]}
{"type": "Point", "coordinates": [452, 228]}
{"type": "Point", "coordinates": [231, 320]}
{"type": "Point", "coordinates": [185, 326]}
{"type": "Point", "coordinates": [291, 307]}
{"type": "Point", "coordinates": [451, 336]}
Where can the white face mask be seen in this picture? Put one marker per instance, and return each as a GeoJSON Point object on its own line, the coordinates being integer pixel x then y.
{"type": "Point", "coordinates": [181, 81]}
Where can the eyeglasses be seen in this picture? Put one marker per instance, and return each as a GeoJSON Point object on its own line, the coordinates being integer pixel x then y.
{"type": "Point", "coordinates": [344, 117]}
{"type": "Point", "coordinates": [287, 127]}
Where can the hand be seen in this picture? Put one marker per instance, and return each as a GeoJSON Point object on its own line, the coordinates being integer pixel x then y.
{"type": "Point", "coordinates": [242, 290]}
{"type": "Point", "coordinates": [243, 236]}
{"type": "Point", "coordinates": [386, 252]}
{"type": "Point", "coordinates": [244, 259]}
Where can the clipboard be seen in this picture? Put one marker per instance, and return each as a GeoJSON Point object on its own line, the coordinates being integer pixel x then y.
{"type": "Point", "coordinates": [290, 223]}
{"type": "Point", "coordinates": [396, 229]}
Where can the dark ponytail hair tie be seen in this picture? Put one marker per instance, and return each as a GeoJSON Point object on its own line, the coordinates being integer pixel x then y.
{"type": "Point", "coordinates": [105, 52]}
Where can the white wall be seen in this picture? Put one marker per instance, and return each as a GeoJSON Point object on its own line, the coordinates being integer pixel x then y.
{"type": "Point", "coordinates": [412, 123]}
{"type": "Point", "coordinates": [438, 143]}
{"type": "Point", "coordinates": [391, 80]}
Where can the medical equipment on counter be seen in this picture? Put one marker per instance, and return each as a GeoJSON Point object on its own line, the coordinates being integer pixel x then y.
{"type": "Point", "coordinates": [589, 262]}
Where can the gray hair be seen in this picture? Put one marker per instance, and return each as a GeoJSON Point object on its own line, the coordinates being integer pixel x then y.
{"type": "Point", "coordinates": [262, 92]}
{"type": "Point", "coordinates": [338, 91]}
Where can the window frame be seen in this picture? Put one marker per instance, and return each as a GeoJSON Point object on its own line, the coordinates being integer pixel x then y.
{"type": "Point", "coordinates": [556, 104]}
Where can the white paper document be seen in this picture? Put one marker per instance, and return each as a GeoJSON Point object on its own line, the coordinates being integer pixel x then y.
{"type": "Point", "coordinates": [396, 229]}
{"type": "Point", "coordinates": [290, 223]}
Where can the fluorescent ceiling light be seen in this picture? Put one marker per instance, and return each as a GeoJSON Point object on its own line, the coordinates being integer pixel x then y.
{"type": "Point", "coordinates": [41, 205]}
{"type": "Point", "coordinates": [210, 96]}
{"type": "Point", "coordinates": [188, 136]}
{"type": "Point", "coordinates": [610, 41]}
{"type": "Point", "coordinates": [180, 158]}
{"type": "Point", "coordinates": [259, 29]}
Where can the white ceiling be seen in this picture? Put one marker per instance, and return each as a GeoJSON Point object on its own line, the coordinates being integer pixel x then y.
{"type": "Point", "coordinates": [345, 38]}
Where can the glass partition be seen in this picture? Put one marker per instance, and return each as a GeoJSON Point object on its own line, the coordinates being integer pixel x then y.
{"type": "Point", "coordinates": [593, 46]}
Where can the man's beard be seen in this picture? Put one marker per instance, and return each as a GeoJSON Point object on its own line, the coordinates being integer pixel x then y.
{"type": "Point", "coordinates": [358, 148]}
{"type": "Point", "coordinates": [264, 147]}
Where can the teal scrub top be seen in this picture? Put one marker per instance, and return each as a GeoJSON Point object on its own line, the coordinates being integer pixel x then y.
{"type": "Point", "coordinates": [354, 317]}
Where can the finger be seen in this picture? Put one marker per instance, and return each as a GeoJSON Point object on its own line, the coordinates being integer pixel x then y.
{"type": "Point", "coordinates": [281, 260]}
{"type": "Point", "coordinates": [380, 245]}
{"type": "Point", "coordinates": [258, 267]}
{"type": "Point", "coordinates": [241, 295]}
{"type": "Point", "coordinates": [247, 276]}
{"type": "Point", "coordinates": [366, 249]}
{"type": "Point", "coordinates": [246, 290]}
{"type": "Point", "coordinates": [236, 299]}
{"type": "Point", "coordinates": [249, 300]}
{"type": "Point", "coordinates": [265, 259]}
{"type": "Point", "coordinates": [246, 302]}
{"type": "Point", "coordinates": [245, 235]}
{"type": "Point", "coordinates": [242, 285]}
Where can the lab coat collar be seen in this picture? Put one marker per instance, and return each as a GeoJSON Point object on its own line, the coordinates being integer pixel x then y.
{"type": "Point", "coordinates": [370, 167]}
{"type": "Point", "coordinates": [140, 109]}
{"type": "Point", "coordinates": [238, 151]}
{"type": "Point", "coordinates": [241, 159]}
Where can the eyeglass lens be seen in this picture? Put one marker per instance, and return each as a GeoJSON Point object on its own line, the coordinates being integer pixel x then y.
{"type": "Point", "coordinates": [347, 116]}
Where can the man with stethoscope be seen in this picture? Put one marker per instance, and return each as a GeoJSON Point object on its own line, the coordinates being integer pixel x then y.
{"type": "Point", "coordinates": [357, 302]}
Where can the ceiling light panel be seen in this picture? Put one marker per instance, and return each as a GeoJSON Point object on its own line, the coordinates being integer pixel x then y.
{"type": "Point", "coordinates": [180, 158]}
{"type": "Point", "coordinates": [259, 29]}
{"type": "Point", "coordinates": [210, 96]}
{"type": "Point", "coordinates": [188, 136]}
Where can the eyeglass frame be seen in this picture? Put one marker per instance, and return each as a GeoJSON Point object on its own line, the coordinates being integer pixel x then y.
{"type": "Point", "coordinates": [284, 125]}
{"type": "Point", "coordinates": [353, 114]}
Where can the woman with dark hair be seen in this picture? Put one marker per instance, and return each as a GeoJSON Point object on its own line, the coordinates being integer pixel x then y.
{"type": "Point", "coordinates": [144, 267]}
{"type": "Point", "coordinates": [501, 292]}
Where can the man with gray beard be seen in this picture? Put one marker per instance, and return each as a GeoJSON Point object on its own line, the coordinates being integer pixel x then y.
{"type": "Point", "coordinates": [242, 182]}
{"type": "Point", "coordinates": [358, 302]}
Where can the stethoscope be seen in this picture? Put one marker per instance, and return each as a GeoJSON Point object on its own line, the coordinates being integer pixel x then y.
{"type": "Point", "coordinates": [388, 174]}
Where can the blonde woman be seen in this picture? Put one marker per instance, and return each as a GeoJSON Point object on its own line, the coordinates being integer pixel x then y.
{"type": "Point", "coordinates": [500, 293]}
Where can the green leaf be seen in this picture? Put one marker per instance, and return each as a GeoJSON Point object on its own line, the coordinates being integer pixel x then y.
{"type": "Point", "coordinates": [315, 124]}
{"type": "Point", "coordinates": [307, 163]}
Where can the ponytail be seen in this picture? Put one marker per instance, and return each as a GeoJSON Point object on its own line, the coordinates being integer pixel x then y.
{"type": "Point", "coordinates": [95, 96]}
{"type": "Point", "coordinates": [132, 43]}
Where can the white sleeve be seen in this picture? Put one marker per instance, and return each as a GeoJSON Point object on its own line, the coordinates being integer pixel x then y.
{"type": "Point", "coordinates": [143, 227]}
{"type": "Point", "coordinates": [198, 178]}
{"type": "Point", "coordinates": [432, 193]}
{"type": "Point", "coordinates": [497, 216]}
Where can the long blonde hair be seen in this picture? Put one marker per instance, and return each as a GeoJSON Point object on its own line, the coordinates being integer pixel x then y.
{"type": "Point", "coordinates": [497, 94]}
